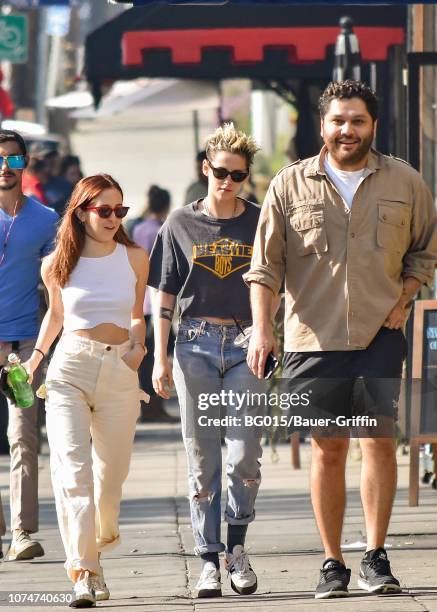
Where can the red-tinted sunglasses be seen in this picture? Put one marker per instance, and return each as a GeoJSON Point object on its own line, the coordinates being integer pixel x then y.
{"type": "Point", "coordinates": [105, 212]}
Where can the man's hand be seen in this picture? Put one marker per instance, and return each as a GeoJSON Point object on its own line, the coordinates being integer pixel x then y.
{"type": "Point", "coordinates": [397, 316]}
{"type": "Point", "coordinates": [399, 313]}
{"type": "Point", "coordinates": [4, 387]}
{"type": "Point", "coordinates": [162, 378]}
{"type": "Point", "coordinates": [260, 344]}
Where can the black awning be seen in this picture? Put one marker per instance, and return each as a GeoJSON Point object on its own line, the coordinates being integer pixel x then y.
{"type": "Point", "coordinates": [216, 42]}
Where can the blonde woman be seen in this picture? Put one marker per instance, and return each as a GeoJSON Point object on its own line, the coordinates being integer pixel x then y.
{"type": "Point", "coordinates": [198, 260]}
{"type": "Point", "coordinates": [96, 281]}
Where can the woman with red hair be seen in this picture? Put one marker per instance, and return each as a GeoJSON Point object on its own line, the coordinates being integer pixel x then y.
{"type": "Point", "coordinates": [96, 280]}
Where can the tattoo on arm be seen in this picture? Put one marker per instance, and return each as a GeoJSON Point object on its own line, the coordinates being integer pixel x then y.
{"type": "Point", "coordinates": [166, 313]}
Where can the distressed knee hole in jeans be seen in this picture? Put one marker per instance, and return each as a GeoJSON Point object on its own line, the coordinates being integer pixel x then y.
{"type": "Point", "coordinates": [251, 482]}
{"type": "Point", "coordinates": [203, 497]}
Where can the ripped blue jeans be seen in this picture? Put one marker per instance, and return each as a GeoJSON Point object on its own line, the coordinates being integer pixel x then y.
{"type": "Point", "coordinates": [209, 368]}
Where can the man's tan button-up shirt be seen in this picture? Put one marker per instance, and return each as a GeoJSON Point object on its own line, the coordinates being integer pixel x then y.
{"type": "Point", "coordinates": [343, 269]}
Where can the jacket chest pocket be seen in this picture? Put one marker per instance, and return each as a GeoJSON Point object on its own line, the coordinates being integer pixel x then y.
{"type": "Point", "coordinates": [392, 227]}
{"type": "Point", "coordinates": [308, 228]}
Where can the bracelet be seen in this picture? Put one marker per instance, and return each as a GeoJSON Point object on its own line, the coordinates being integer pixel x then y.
{"type": "Point", "coordinates": [39, 351]}
{"type": "Point", "coordinates": [143, 346]}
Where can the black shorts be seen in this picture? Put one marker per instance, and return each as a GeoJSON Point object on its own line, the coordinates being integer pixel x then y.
{"type": "Point", "coordinates": [351, 383]}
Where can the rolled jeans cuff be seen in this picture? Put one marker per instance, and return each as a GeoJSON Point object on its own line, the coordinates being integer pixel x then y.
{"type": "Point", "coordinates": [232, 520]}
{"type": "Point", "coordinates": [209, 548]}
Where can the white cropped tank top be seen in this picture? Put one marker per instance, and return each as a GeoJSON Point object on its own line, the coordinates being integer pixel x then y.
{"type": "Point", "coordinates": [100, 290]}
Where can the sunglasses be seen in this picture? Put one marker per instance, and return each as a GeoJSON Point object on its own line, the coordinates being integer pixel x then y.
{"type": "Point", "coordinates": [105, 212]}
{"type": "Point", "coordinates": [15, 162]}
{"type": "Point", "coordinates": [237, 176]}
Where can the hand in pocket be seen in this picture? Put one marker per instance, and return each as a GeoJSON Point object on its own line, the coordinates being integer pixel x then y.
{"type": "Point", "coordinates": [133, 358]}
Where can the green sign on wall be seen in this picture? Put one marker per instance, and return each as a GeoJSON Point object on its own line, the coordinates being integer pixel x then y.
{"type": "Point", "coordinates": [13, 38]}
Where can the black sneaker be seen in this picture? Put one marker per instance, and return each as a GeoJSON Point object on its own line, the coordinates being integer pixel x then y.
{"type": "Point", "coordinates": [334, 578]}
{"type": "Point", "coordinates": [375, 573]}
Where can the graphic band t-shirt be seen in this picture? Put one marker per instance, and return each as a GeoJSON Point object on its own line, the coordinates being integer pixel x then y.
{"type": "Point", "coordinates": [201, 260]}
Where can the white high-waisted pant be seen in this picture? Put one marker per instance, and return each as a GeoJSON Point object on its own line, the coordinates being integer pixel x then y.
{"type": "Point", "coordinates": [92, 404]}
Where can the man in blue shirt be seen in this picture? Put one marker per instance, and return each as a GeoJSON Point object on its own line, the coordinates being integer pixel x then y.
{"type": "Point", "coordinates": [27, 231]}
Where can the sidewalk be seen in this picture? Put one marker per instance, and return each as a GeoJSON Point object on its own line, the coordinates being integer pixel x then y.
{"type": "Point", "coordinates": [154, 568]}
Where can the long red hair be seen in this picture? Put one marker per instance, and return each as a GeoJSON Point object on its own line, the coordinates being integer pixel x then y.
{"type": "Point", "coordinates": [70, 239]}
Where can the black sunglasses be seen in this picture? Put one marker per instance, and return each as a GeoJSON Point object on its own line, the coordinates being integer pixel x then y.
{"type": "Point", "coordinates": [237, 176]}
{"type": "Point", "coordinates": [105, 212]}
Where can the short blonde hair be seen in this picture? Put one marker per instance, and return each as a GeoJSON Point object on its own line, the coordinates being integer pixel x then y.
{"type": "Point", "coordinates": [227, 138]}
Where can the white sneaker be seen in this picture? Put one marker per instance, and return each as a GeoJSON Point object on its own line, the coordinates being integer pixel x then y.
{"type": "Point", "coordinates": [209, 584]}
{"type": "Point", "coordinates": [23, 547]}
{"type": "Point", "coordinates": [99, 585]}
{"type": "Point", "coordinates": [83, 593]}
{"type": "Point", "coordinates": [243, 578]}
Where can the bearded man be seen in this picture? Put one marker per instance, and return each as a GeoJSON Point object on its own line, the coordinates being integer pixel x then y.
{"type": "Point", "coordinates": [352, 235]}
{"type": "Point", "coordinates": [27, 232]}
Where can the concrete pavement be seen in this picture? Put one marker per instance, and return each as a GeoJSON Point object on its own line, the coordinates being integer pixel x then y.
{"type": "Point", "coordinates": [154, 568]}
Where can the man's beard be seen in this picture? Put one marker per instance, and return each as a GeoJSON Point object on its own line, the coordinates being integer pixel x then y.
{"type": "Point", "coordinates": [8, 187]}
{"type": "Point", "coordinates": [353, 158]}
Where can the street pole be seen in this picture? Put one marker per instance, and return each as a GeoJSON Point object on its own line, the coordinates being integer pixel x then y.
{"type": "Point", "coordinates": [41, 67]}
{"type": "Point", "coordinates": [347, 53]}
{"type": "Point", "coordinates": [196, 131]}
{"type": "Point", "coordinates": [5, 66]}
{"type": "Point", "coordinates": [54, 62]}
{"type": "Point", "coordinates": [373, 75]}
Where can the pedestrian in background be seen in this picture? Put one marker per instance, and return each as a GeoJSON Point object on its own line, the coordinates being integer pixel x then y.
{"type": "Point", "coordinates": [352, 233]}
{"type": "Point", "coordinates": [50, 177]}
{"type": "Point", "coordinates": [36, 177]}
{"type": "Point", "coordinates": [144, 234]}
{"type": "Point", "coordinates": [7, 108]}
{"type": "Point", "coordinates": [198, 260]}
{"type": "Point", "coordinates": [27, 231]}
{"type": "Point", "coordinates": [96, 280]}
{"type": "Point", "coordinates": [64, 176]}
{"type": "Point", "coordinates": [198, 188]}
{"type": "Point", "coordinates": [71, 170]}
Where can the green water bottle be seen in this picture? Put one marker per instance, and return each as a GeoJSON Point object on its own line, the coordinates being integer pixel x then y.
{"type": "Point", "coordinates": [17, 381]}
